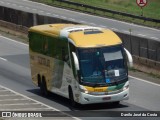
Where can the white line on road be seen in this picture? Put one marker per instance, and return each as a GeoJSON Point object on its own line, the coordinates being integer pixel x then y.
{"type": "Point", "coordinates": [92, 23]}
{"type": "Point", "coordinates": [115, 29]}
{"type": "Point", "coordinates": [4, 91]}
{"type": "Point", "coordinates": [55, 15]}
{"type": "Point", "coordinates": [38, 102]}
{"type": "Point", "coordinates": [83, 21]}
{"type": "Point", "coordinates": [14, 4]}
{"type": "Point", "coordinates": [19, 104]}
{"type": "Point", "coordinates": [14, 40]}
{"type": "Point", "coordinates": [7, 95]}
{"type": "Point", "coordinates": [72, 19]}
{"type": "Point", "coordinates": [27, 7]}
{"type": "Point", "coordinates": [102, 26]}
{"type": "Point", "coordinates": [14, 99]}
{"type": "Point", "coordinates": [34, 9]}
{"type": "Point", "coordinates": [20, 109]}
{"type": "Point", "coordinates": [21, 6]}
{"type": "Point", "coordinates": [2, 2]}
{"type": "Point", "coordinates": [3, 59]}
{"type": "Point", "coordinates": [48, 13]}
{"type": "Point", "coordinates": [144, 80]}
{"type": "Point", "coordinates": [125, 31]}
{"type": "Point", "coordinates": [141, 35]}
{"type": "Point", "coordinates": [41, 11]}
{"type": "Point", "coordinates": [63, 17]}
{"type": "Point", "coordinates": [154, 38]}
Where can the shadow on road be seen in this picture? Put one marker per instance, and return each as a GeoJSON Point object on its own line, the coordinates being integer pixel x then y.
{"type": "Point", "coordinates": [65, 102]}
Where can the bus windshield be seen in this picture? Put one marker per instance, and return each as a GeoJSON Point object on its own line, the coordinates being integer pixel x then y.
{"type": "Point", "coordinates": [102, 65]}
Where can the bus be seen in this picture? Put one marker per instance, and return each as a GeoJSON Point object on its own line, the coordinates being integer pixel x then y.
{"type": "Point", "coordinates": [83, 63]}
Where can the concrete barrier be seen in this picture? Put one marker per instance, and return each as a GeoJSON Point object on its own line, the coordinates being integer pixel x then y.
{"type": "Point", "coordinates": [145, 51]}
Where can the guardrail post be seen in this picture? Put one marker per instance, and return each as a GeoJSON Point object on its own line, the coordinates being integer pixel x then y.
{"type": "Point", "coordinates": [34, 19]}
{"type": "Point", "coordinates": [147, 50]}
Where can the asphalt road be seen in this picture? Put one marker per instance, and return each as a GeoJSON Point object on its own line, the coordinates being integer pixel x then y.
{"type": "Point", "coordinates": [115, 25]}
{"type": "Point", "coordinates": [15, 74]}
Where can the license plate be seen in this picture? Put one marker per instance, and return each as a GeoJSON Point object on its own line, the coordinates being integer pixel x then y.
{"type": "Point", "coordinates": [98, 90]}
{"type": "Point", "coordinates": [106, 98]}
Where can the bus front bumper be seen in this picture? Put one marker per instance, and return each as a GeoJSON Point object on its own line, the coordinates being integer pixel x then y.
{"type": "Point", "coordinates": [89, 99]}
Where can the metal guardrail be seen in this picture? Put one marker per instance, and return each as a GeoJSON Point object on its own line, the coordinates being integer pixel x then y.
{"type": "Point", "coordinates": [138, 46]}
{"type": "Point", "coordinates": [109, 11]}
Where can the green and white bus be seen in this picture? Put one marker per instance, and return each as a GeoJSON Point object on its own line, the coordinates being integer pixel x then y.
{"type": "Point", "coordinates": [83, 63]}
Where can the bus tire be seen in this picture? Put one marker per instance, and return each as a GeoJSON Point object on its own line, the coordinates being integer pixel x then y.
{"type": "Point", "coordinates": [39, 80]}
{"type": "Point", "coordinates": [71, 98]}
{"type": "Point", "coordinates": [43, 87]}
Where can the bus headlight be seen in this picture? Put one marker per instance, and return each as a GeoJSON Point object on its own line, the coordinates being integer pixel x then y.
{"type": "Point", "coordinates": [126, 86]}
{"type": "Point", "coordinates": [83, 89]}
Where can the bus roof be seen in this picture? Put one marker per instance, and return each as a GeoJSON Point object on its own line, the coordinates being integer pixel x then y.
{"type": "Point", "coordinates": [80, 35]}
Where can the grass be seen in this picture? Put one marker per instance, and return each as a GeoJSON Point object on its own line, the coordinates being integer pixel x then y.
{"type": "Point", "coordinates": [152, 10]}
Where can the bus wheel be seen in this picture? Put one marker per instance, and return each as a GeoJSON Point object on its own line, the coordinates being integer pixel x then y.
{"type": "Point", "coordinates": [39, 80]}
{"type": "Point", "coordinates": [71, 98]}
{"type": "Point", "coordinates": [43, 87]}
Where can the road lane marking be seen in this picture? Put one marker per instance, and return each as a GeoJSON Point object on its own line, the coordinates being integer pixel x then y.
{"type": "Point", "coordinates": [38, 102]}
{"type": "Point", "coordinates": [3, 59]}
{"type": "Point", "coordinates": [20, 109]}
{"type": "Point", "coordinates": [144, 80]}
{"type": "Point", "coordinates": [125, 31]}
{"type": "Point", "coordinates": [72, 19]}
{"type": "Point", "coordinates": [27, 7]}
{"type": "Point", "coordinates": [21, 6]}
{"type": "Point", "coordinates": [41, 11]}
{"type": "Point", "coordinates": [48, 13]}
{"type": "Point", "coordinates": [14, 4]}
{"type": "Point", "coordinates": [141, 35]}
{"type": "Point", "coordinates": [14, 40]}
{"type": "Point", "coordinates": [16, 94]}
{"type": "Point", "coordinates": [14, 99]}
{"type": "Point", "coordinates": [34, 9]}
{"type": "Point", "coordinates": [83, 21]}
{"type": "Point", "coordinates": [92, 23]}
{"type": "Point", "coordinates": [115, 29]}
{"type": "Point", "coordinates": [154, 38]}
{"type": "Point", "coordinates": [4, 91]}
{"type": "Point", "coordinates": [7, 95]}
{"type": "Point", "coordinates": [2, 2]}
{"type": "Point", "coordinates": [63, 17]}
{"type": "Point", "coordinates": [102, 26]}
{"type": "Point", "coordinates": [55, 15]}
{"type": "Point", "coordinates": [19, 104]}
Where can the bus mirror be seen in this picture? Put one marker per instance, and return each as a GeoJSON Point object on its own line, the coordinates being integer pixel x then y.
{"type": "Point", "coordinates": [76, 63]}
{"type": "Point", "coordinates": [130, 59]}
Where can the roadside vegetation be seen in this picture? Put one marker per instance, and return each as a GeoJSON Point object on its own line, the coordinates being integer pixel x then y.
{"type": "Point", "coordinates": [152, 10]}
